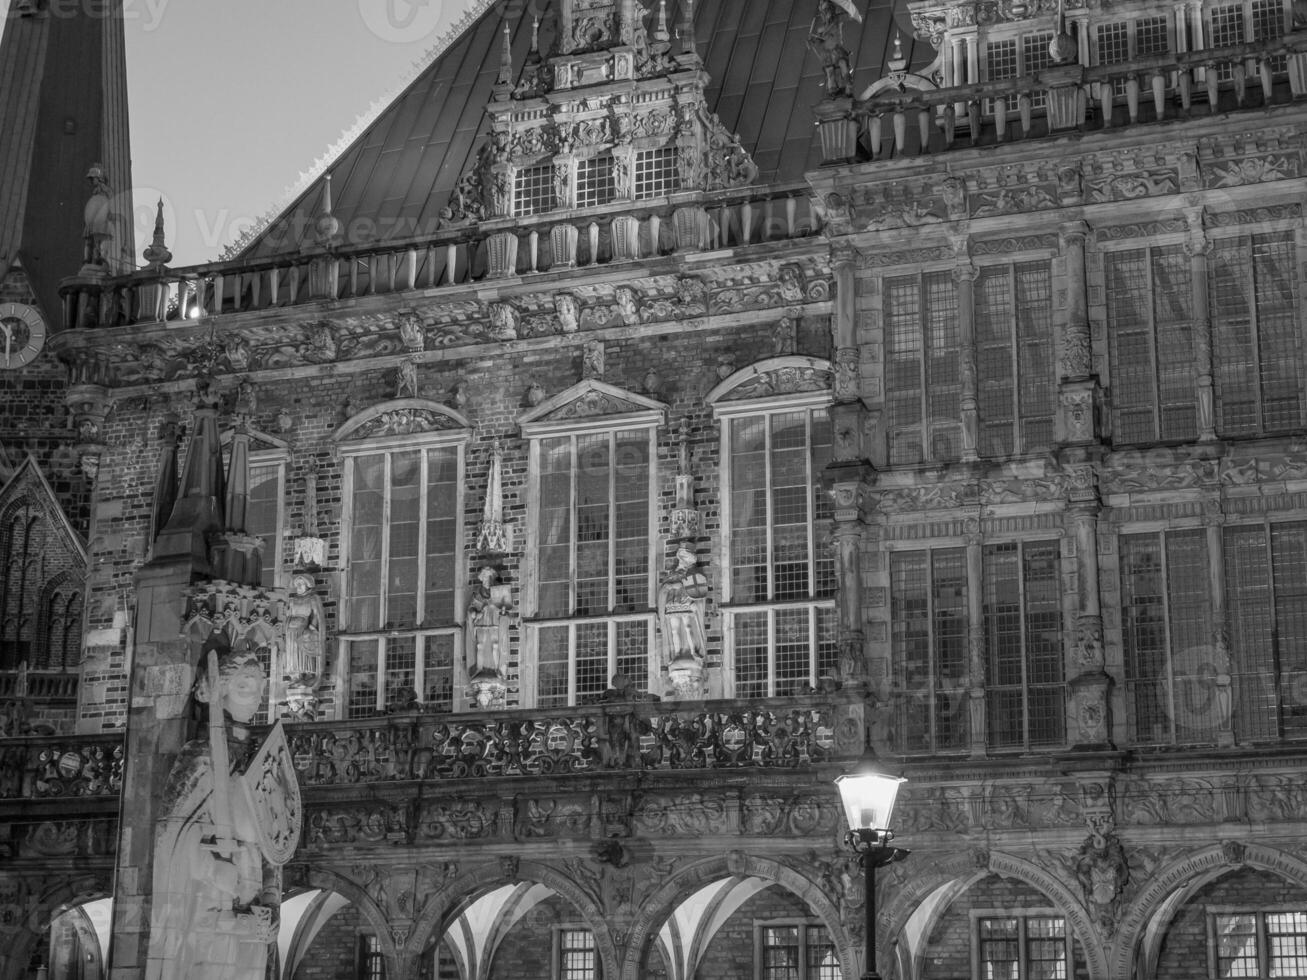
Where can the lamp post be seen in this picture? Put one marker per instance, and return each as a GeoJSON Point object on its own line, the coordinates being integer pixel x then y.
{"type": "Point", "coordinates": [868, 794]}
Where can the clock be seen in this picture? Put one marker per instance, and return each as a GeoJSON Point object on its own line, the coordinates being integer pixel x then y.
{"type": "Point", "coordinates": [22, 335]}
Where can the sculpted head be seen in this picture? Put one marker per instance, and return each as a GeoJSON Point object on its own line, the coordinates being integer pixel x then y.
{"type": "Point", "coordinates": [242, 686]}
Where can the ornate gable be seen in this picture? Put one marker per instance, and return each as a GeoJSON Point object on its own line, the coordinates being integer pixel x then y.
{"type": "Point", "coordinates": [774, 377]}
{"type": "Point", "coordinates": [401, 417]}
{"type": "Point", "coordinates": [591, 401]}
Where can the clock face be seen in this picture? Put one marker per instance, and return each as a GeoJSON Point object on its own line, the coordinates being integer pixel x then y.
{"type": "Point", "coordinates": [22, 335]}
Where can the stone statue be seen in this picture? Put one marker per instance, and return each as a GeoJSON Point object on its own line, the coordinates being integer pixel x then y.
{"type": "Point", "coordinates": [487, 623]}
{"type": "Point", "coordinates": [304, 625]}
{"type": "Point", "coordinates": [826, 40]}
{"type": "Point", "coordinates": [681, 602]}
{"type": "Point", "coordinates": [233, 820]}
{"type": "Point", "coordinates": [406, 379]}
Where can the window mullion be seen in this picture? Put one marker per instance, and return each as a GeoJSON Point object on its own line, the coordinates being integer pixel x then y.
{"type": "Point", "coordinates": [769, 495]}
{"type": "Point", "coordinates": [1017, 443]}
{"type": "Point", "coordinates": [383, 586]}
{"type": "Point", "coordinates": [808, 508]}
{"type": "Point", "coordinates": [1163, 563]}
{"type": "Point", "coordinates": [924, 354]}
{"type": "Point", "coordinates": [420, 603]}
{"type": "Point", "coordinates": [1273, 596]}
{"type": "Point", "coordinates": [1025, 659]}
{"type": "Point", "coordinates": [931, 651]}
{"type": "Point", "coordinates": [573, 529]}
{"type": "Point", "coordinates": [571, 663]}
{"type": "Point", "coordinates": [771, 652]}
{"type": "Point", "coordinates": [1255, 330]}
{"type": "Point", "coordinates": [612, 524]}
{"type": "Point", "coordinates": [1152, 346]}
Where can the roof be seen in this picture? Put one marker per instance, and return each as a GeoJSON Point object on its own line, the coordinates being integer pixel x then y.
{"type": "Point", "coordinates": [392, 181]}
{"type": "Point", "coordinates": [56, 123]}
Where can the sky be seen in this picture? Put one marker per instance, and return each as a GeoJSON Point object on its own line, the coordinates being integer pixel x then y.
{"type": "Point", "coordinates": [231, 100]}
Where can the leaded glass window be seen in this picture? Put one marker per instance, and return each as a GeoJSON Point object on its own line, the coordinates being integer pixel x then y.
{"type": "Point", "coordinates": [1022, 947]}
{"type": "Point", "coordinates": [1255, 319]}
{"type": "Point", "coordinates": [1014, 340]}
{"type": "Point", "coordinates": [657, 173]}
{"type": "Point", "coordinates": [923, 379]}
{"type": "Point", "coordinates": [594, 580]}
{"type": "Point", "coordinates": [595, 181]}
{"type": "Point", "coordinates": [1150, 339]}
{"type": "Point", "coordinates": [533, 191]}
{"type": "Point", "coordinates": [781, 618]}
{"type": "Point", "coordinates": [1024, 692]}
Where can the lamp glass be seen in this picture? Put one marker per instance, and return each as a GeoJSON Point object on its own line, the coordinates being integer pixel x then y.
{"type": "Point", "coordinates": [868, 797]}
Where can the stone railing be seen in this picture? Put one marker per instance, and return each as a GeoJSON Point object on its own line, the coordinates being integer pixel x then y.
{"type": "Point", "coordinates": [631, 737]}
{"type": "Point", "coordinates": [38, 685]}
{"type": "Point", "coordinates": [58, 767]}
{"type": "Point", "coordinates": [497, 249]}
{"type": "Point", "coordinates": [912, 122]}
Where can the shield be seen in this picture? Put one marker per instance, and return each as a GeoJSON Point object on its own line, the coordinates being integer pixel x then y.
{"type": "Point", "coordinates": [850, 8]}
{"type": "Point", "coordinates": [272, 798]}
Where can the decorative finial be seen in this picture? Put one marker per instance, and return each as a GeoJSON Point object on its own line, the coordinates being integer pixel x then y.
{"type": "Point", "coordinates": [156, 253]}
{"type": "Point", "coordinates": [506, 58]}
{"type": "Point", "coordinates": [495, 536]}
{"type": "Point", "coordinates": [535, 35]}
{"type": "Point", "coordinates": [328, 225]}
{"type": "Point", "coordinates": [688, 44]}
{"type": "Point", "coordinates": [660, 30]}
{"type": "Point", "coordinates": [897, 63]}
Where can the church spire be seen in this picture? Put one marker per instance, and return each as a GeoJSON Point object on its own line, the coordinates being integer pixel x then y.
{"type": "Point", "coordinates": [57, 124]}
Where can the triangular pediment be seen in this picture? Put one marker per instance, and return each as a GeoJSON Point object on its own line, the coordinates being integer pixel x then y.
{"type": "Point", "coordinates": [29, 483]}
{"type": "Point", "coordinates": [588, 401]}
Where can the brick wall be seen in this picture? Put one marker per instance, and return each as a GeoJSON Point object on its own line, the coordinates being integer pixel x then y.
{"type": "Point", "coordinates": [1184, 950]}
{"type": "Point", "coordinates": [730, 952]}
{"type": "Point", "coordinates": [493, 396]}
{"type": "Point", "coordinates": [334, 953]}
{"type": "Point", "coordinates": [949, 956]}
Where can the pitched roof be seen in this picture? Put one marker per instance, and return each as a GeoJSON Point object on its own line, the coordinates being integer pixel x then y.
{"type": "Point", "coordinates": [392, 181]}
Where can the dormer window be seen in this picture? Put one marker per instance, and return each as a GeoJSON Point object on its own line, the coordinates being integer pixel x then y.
{"type": "Point", "coordinates": [595, 181]}
{"type": "Point", "coordinates": [657, 173]}
{"type": "Point", "coordinates": [533, 191]}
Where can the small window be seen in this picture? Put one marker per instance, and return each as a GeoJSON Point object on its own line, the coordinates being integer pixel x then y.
{"type": "Point", "coordinates": [372, 962]}
{"type": "Point", "coordinates": [794, 950]}
{"type": "Point", "coordinates": [1125, 40]}
{"type": "Point", "coordinates": [575, 955]}
{"type": "Point", "coordinates": [263, 513]}
{"type": "Point", "coordinates": [1258, 944]}
{"type": "Point", "coordinates": [533, 191]}
{"type": "Point", "coordinates": [1018, 57]}
{"type": "Point", "coordinates": [657, 173]}
{"type": "Point", "coordinates": [1022, 947]}
{"type": "Point", "coordinates": [595, 184]}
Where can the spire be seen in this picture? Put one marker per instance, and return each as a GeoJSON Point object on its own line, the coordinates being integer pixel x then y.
{"type": "Point", "coordinates": [495, 537]}
{"type": "Point", "coordinates": [688, 43]}
{"type": "Point", "coordinates": [56, 123]}
{"type": "Point", "coordinates": [661, 35]}
{"type": "Point", "coordinates": [156, 253]}
{"type": "Point", "coordinates": [504, 83]}
{"type": "Point", "coordinates": [202, 491]}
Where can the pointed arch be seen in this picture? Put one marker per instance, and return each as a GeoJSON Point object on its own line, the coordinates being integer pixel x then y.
{"type": "Point", "coordinates": [1144, 920]}
{"type": "Point", "coordinates": [462, 890]}
{"type": "Point", "coordinates": [664, 902]}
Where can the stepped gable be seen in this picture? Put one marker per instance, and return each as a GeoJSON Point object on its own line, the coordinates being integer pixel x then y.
{"type": "Point", "coordinates": [392, 182]}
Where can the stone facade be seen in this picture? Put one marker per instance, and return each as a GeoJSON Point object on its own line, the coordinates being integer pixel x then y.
{"type": "Point", "coordinates": [990, 455]}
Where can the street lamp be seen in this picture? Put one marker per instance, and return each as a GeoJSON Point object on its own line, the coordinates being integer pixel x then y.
{"type": "Point", "coordinates": [868, 794]}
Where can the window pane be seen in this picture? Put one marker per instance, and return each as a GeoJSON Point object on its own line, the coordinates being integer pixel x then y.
{"type": "Point", "coordinates": [261, 515]}
{"type": "Point", "coordinates": [1236, 945]}
{"type": "Point", "coordinates": [363, 678]}
{"type": "Point", "coordinates": [928, 597]}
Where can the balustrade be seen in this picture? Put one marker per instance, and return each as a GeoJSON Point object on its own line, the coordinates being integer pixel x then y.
{"type": "Point", "coordinates": [451, 258]}
{"type": "Point", "coordinates": [912, 122]}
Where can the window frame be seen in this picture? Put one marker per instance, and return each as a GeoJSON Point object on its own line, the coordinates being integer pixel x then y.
{"type": "Point", "coordinates": [370, 959]}
{"type": "Point", "coordinates": [277, 459]}
{"type": "Point", "coordinates": [803, 926]}
{"type": "Point", "coordinates": [925, 384]}
{"type": "Point", "coordinates": [1021, 36]}
{"type": "Point", "coordinates": [1022, 387]}
{"type": "Point", "coordinates": [725, 414]}
{"type": "Point", "coordinates": [1277, 232]}
{"type": "Point", "coordinates": [560, 932]}
{"type": "Point", "coordinates": [1157, 404]}
{"type": "Point", "coordinates": [350, 452]}
{"type": "Point", "coordinates": [1023, 917]}
{"type": "Point", "coordinates": [1262, 945]}
{"type": "Point", "coordinates": [535, 434]}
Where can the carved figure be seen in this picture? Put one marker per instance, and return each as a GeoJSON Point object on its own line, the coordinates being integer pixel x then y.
{"type": "Point", "coordinates": [791, 281]}
{"type": "Point", "coordinates": [681, 601]}
{"type": "Point", "coordinates": [826, 40]}
{"type": "Point", "coordinates": [592, 360]}
{"type": "Point", "coordinates": [410, 331]}
{"type": "Point", "coordinates": [569, 312]}
{"type": "Point", "coordinates": [628, 305]}
{"type": "Point", "coordinates": [233, 818]}
{"type": "Point", "coordinates": [488, 612]}
{"type": "Point", "coordinates": [304, 625]}
{"type": "Point", "coordinates": [406, 380]}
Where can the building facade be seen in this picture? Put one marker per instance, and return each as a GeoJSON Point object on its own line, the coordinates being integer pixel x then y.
{"type": "Point", "coordinates": [651, 409]}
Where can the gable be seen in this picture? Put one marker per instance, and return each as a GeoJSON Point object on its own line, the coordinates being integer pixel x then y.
{"type": "Point", "coordinates": [29, 487]}
{"type": "Point", "coordinates": [590, 402]}
{"type": "Point", "coordinates": [393, 181]}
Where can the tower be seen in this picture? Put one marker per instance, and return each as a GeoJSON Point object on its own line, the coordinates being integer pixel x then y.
{"type": "Point", "coordinates": [55, 125]}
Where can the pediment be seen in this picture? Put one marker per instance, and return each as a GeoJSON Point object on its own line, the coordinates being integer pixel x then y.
{"type": "Point", "coordinates": [775, 377]}
{"type": "Point", "coordinates": [29, 484]}
{"type": "Point", "coordinates": [401, 417]}
{"type": "Point", "coordinates": [592, 401]}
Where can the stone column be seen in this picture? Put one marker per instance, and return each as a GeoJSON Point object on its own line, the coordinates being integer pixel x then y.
{"type": "Point", "coordinates": [1077, 360]}
{"type": "Point", "coordinates": [850, 476]}
{"type": "Point", "coordinates": [1089, 721]}
{"type": "Point", "coordinates": [1220, 650]}
{"type": "Point", "coordinates": [976, 667]}
{"type": "Point", "coordinates": [1198, 248]}
{"type": "Point", "coordinates": [964, 274]}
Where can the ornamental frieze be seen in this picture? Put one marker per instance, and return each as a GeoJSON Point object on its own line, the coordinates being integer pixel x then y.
{"type": "Point", "coordinates": [1141, 229]}
{"type": "Point", "coordinates": [1131, 186]}
{"type": "Point", "coordinates": [1025, 243]}
{"type": "Point", "coordinates": [1014, 200]}
{"type": "Point", "coordinates": [1252, 216]}
{"type": "Point", "coordinates": [1252, 169]}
